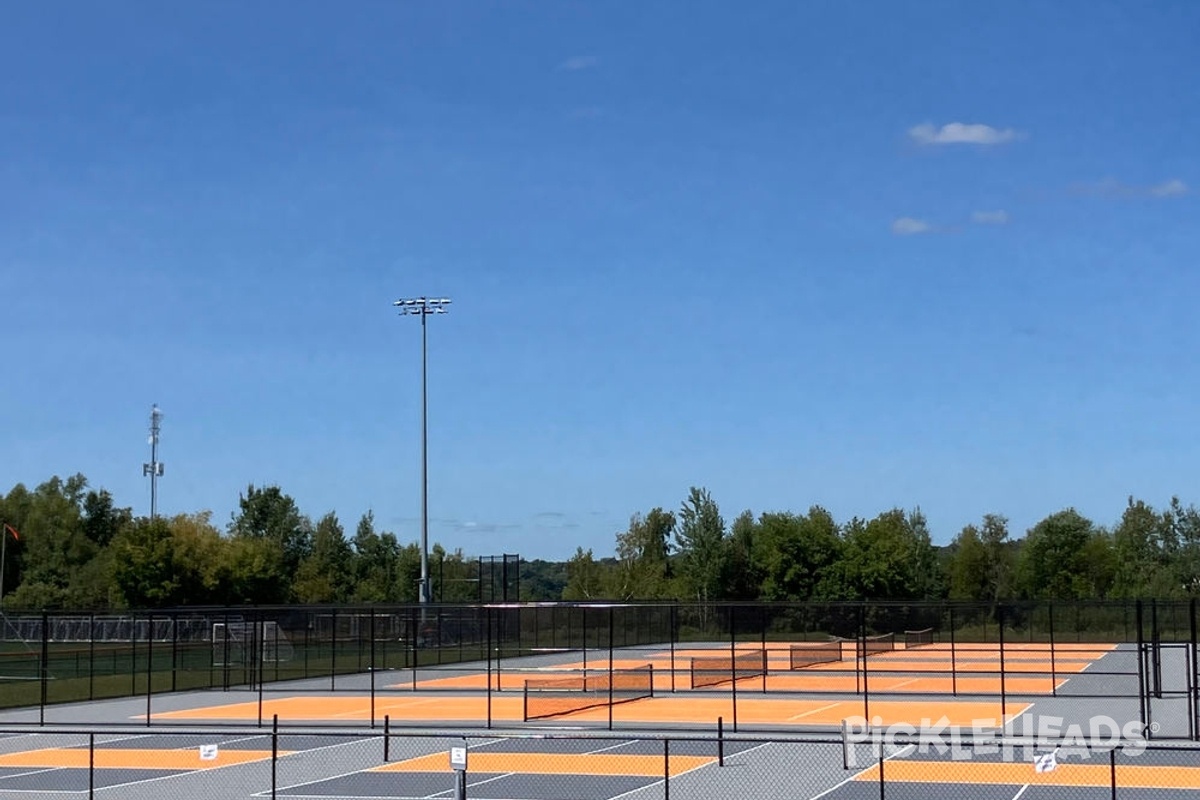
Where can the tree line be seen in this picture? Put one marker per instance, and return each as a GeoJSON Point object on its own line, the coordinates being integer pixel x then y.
{"type": "Point", "coordinates": [692, 554]}
{"type": "Point", "coordinates": [78, 549]}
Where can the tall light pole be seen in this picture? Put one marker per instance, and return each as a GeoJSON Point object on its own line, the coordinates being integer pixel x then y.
{"type": "Point", "coordinates": [423, 307]}
{"type": "Point", "coordinates": [155, 468]}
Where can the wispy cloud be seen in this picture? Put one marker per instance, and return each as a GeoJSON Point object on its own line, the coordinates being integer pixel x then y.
{"type": "Point", "coordinates": [1171, 188]}
{"type": "Point", "coordinates": [549, 515]}
{"type": "Point", "coordinates": [483, 527]}
{"type": "Point", "coordinates": [960, 133]}
{"type": "Point", "coordinates": [1110, 187]}
{"type": "Point", "coordinates": [910, 226]}
{"type": "Point", "coordinates": [576, 63]}
{"type": "Point", "coordinates": [998, 217]}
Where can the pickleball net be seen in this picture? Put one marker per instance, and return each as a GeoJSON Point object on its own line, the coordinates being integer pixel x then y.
{"type": "Point", "coordinates": [810, 654]}
{"type": "Point", "coordinates": [715, 670]}
{"type": "Point", "coordinates": [918, 638]}
{"type": "Point", "coordinates": [554, 697]}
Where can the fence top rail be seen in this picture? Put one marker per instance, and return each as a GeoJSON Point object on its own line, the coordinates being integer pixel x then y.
{"type": "Point", "coordinates": [963, 738]}
{"type": "Point", "coordinates": [251, 610]}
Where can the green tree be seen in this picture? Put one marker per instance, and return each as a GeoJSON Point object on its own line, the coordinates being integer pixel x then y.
{"type": "Point", "coordinates": [324, 574]}
{"type": "Point", "coordinates": [643, 557]}
{"type": "Point", "coordinates": [1054, 561]}
{"type": "Point", "coordinates": [55, 548]}
{"type": "Point", "coordinates": [891, 558]}
{"type": "Point", "coordinates": [270, 515]}
{"type": "Point", "coordinates": [585, 579]}
{"type": "Point", "coordinates": [700, 538]}
{"type": "Point", "coordinates": [798, 557]}
{"type": "Point", "coordinates": [144, 564]}
{"type": "Point", "coordinates": [740, 577]}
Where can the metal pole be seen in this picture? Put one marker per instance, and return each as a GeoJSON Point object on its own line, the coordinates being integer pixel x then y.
{"type": "Point", "coordinates": [424, 306]}
{"type": "Point", "coordinates": [424, 467]}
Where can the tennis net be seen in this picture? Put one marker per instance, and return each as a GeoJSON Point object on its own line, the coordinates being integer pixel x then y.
{"type": "Point", "coordinates": [553, 697]}
{"type": "Point", "coordinates": [918, 638]}
{"type": "Point", "coordinates": [806, 655]}
{"type": "Point", "coordinates": [715, 670]}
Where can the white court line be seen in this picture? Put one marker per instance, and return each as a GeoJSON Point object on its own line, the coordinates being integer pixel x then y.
{"type": "Point", "coordinates": [390, 706]}
{"type": "Point", "coordinates": [1020, 791]}
{"type": "Point", "coordinates": [897, 754]}
{"type": "Point", "coordinates": [680, 775]}
{"type": "Point", "coordinates": [815, 711]}
{"type": "Point", "coordinates": [898, 685]}
{"type": "Point", "coordinates": [616, 746]}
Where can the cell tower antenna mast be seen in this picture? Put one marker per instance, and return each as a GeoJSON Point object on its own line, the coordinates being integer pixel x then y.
{"type": "Point", "coordinates": [155, 467]}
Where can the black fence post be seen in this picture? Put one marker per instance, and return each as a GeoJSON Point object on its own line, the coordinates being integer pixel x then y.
{"type": "Point", "coordinates": [333, 650]}
{"type": "Point", "coordinates": [666, 769]}
{"type": "Point", "coordinates": [149, 664]}
{"type": "Point", "coordinates": [1112, 771]}
{"type": "Point", "coordinates": [674, 623]}
{"type": "Point", "coordinates": [371, 633]}
{"type": "Point", "coordinates": [1053, 647]}
{"type": "Point", "coordinates": [1003, 693]}
{"type": "Point", "coordinates": [91, 656]}
{"type": "Point", "coordinates": [882, 784]}
{"type": "Point", "coordinates": [1143, 683]}
{"type": "Point", "coordinates": [1193, 673]}
{"type": "Point", "coordinates": [612, 669]}
{"type": "Point", "coordinates": [487, 616]}
{"type": "Point", "coordinates": [387, 737]}
{"type": "Point", "coordinates": [720, 742]}
{"type": "Point", "coordinates": [274, 753]}
{"type": "Point", "coordinates": [44, 668]}
{"type": "Point", "coordinates": [91, 766]}
{"type": "Point", "coordinates": [953, 657]}
{"type": "Point", "coordinates": [860, 654]}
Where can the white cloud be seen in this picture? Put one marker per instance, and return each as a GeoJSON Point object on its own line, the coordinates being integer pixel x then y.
{"type": "Point", "coordinates": [576, 63]}
{"type": "Point", "coordinates": [960, 133]}
{"type": "Point", "coordinates": [1110, 187]}
{"type": "Point", "coordinates": [999, 217]}
{"type": "Point", "coordinates": [1171, 188]}
{"type": "Point", "coordinates": [908, 226]}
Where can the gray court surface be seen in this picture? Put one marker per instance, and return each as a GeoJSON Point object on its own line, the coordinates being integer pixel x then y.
{"type": "Point", "coordinates": [350, 761]}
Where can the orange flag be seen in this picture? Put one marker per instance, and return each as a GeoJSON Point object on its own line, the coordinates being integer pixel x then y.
{"type": "Point", "coordinates": [13, 531]}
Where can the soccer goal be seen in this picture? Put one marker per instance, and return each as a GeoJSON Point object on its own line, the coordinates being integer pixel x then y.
{"type": "Point", "coordinates": [234, 643]}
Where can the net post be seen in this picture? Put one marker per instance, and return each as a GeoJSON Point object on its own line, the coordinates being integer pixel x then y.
{"type": "Point", "coordinates": [720, 742]}
{"type": "Point", "coordinates": [387, 737]}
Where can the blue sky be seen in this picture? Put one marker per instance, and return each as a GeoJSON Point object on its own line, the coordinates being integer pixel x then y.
{"type": "Point", "coordinates": [851, 254]}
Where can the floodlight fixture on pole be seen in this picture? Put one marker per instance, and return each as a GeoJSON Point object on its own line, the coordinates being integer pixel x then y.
{"type": "Point", "coordinates": [423, 307]}
{"type": "Point", "coordinates": [154, 468]}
